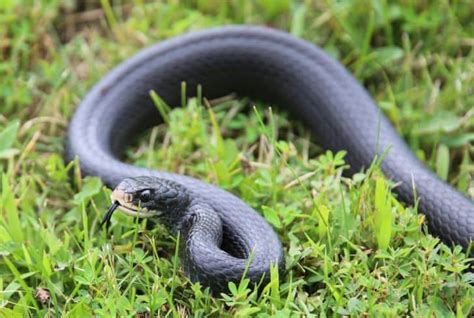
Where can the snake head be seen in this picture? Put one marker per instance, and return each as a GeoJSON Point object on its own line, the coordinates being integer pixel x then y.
{"type": "Point", "coordinates": [150, 196]}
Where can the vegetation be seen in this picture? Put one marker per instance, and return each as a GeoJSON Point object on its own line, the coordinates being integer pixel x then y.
{"type": "Point", "coordinates": [351, 248]}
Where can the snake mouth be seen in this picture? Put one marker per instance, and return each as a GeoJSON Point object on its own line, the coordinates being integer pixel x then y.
{"type": "Point", "coordinates": [125, 205]}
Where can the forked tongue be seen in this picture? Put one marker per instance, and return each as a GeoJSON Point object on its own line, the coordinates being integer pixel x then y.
{"type": "Point", "coordinates": [108, 215]}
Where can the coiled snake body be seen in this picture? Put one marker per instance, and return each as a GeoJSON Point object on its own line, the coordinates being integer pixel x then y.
{"type": "Point", "coordinates": [221, 233]}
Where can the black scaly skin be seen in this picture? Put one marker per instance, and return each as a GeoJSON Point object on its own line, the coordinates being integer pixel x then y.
{"type": "Point", "coordinates": [273, 66]}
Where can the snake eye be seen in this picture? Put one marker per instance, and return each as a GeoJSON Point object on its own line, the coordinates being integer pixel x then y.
{"type": "Point", "coordinates": [145, 196]}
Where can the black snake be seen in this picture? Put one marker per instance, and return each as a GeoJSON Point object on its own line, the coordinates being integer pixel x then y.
{"type": "Point", "coordinates": [222, 237]}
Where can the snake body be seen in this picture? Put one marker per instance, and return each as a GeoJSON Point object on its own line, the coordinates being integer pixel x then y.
{"type": "Point", "coordinates": [230, 238]}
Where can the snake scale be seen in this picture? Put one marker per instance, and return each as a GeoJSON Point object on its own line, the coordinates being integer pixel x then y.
{"type": "Point", "coordinates": [222, 237]}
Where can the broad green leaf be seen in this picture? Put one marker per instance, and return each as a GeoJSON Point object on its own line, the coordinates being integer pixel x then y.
{"type": "Point", "coordinates": [297, 21]}
{"type": "Point", "coordinates": [247, 311]}
{"type": "Point", "coordinates": [458, 141]}
{"type": "Point", "coordinates": [386, 55]}
{"type": "Point", "coordinates": [323, 219]}
{"type": "Point", "coordinates": [9, 209]}
{"type": "Point", "coordinates": [442, 122]}
{"type": "Point", "coordinates": [442, 161]}
{"type": "Point", "coordinates": [8, 153]}
{"type": "Point", "coordinates": [271, 216]}
{"type": "Point", "coordinates": [8, 135]}
{"type": "Point", "coordinates": [91, 187]}
{"type": "Point", "coordinates": [383, 214]}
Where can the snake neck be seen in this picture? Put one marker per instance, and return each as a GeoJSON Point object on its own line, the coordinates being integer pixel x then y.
{"type": "Point", "coordinates": [199, 221]}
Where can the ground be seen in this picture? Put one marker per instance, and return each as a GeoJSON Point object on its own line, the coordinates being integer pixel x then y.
{"type": "Point", "coordinates": [416, 58]}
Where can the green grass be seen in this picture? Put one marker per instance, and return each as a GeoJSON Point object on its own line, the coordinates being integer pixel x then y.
{"type": "Point", "coordinates": [351, 248]}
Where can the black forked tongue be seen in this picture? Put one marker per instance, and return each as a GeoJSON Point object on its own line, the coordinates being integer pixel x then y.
{"type": "Point", "coordinates": [108, 215]}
